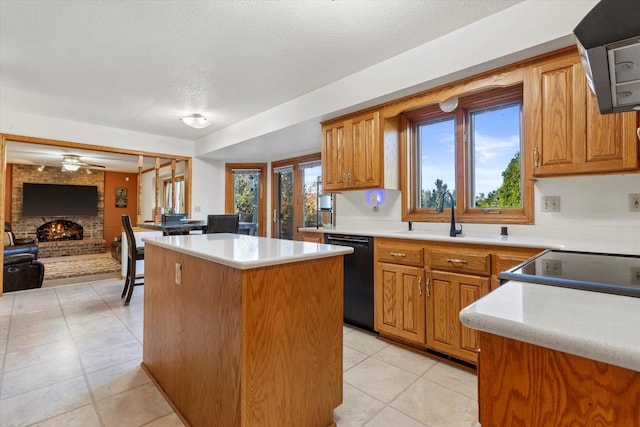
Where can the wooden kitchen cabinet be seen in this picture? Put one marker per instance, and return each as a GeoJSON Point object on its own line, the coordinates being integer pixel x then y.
{"type": "Point", "coordinates": [506, 259]}
{"type": "Point", "coordinates": [568, 134]}
{"type": "Point", "coordinates": [311, 236]}
{"type": "Point", "coordinates": [399, 290]}
{"type": "Point", "coordinates": [447, 294]}
{"type": "Point", "coordinates": [528, 385]}
{"type": "Point", "coordinates": [352, 153]}
{"type": "Point", "coordinates": [399, 301]}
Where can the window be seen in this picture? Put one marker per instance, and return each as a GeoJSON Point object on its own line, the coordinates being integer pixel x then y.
{"type": "Point", "coordinates": [472, 152]}
{"type": "Point", "coordinates": [169, 201]}
{"type": "Point", "coordinates": [244, 195]}
{"type": "Point", "coordinates": [295, 186]}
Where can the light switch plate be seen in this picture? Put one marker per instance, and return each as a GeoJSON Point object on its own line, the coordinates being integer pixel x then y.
{"type": "Point", "coordinates": [550, 204]}
{"type": "Point", "coordinates": [634, 202]}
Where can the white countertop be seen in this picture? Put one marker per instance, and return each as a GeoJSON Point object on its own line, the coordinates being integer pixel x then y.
{"type": "Point", "coordinates": [245, 252]}
{"type": "Point", "coordinates": [593, 325]}
{"type": "Point", "coordinates": [614, 246]}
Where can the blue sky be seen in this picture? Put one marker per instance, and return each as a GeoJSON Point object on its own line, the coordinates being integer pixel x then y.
{"type": "Point", "coordinates": [496, 136]}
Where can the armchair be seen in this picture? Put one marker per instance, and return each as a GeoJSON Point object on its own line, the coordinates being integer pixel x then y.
{"type": "Point", "coordinates": [13, 245]}
{"type": "Point", "coordinates": [21, 271]}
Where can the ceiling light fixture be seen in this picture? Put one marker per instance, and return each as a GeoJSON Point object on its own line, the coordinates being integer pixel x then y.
{"type": "Point", "coordinates": [448, 105]}
{"type": "Point", "coordinates": [71, 163]}
{"type": "Point", "coordinates": [197, 121]}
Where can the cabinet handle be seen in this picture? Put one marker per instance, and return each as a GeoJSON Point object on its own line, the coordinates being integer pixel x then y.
{"type": "Point", "coordinates": [398, 254]}
{"type": "Point", "coordinates": [456, 261]}
{"type": "Point", "coordinates": [275, 215]}
{"type": "Point", "coordinates": [420, 285]}
{"type": "Point", "coordinates": [428, 287]}
{"type": "Point", "coordinates": [536, 157]}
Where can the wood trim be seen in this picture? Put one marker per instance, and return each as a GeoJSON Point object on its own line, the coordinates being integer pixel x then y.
{"type": "Point", "coordinates": [229, 191]}
{"type": "Point", "coordinates": [83, 146]}
{"type": "Point", "coordinates": [298, 202]}
{"type": "Point", "coordinates": [3, 174]}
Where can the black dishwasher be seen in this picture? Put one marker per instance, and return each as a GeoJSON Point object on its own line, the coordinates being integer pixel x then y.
{"type": "Point", "coordinates": [358, 279]}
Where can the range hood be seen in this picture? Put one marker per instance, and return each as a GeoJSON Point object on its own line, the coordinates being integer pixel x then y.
{"type": "Point", "coordinates": [609, 45]}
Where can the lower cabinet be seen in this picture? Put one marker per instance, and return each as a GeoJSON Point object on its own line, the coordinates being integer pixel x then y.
{"type": "Point", "coordinates": [447, 294]}
{"type": "Point", "coordinates": [310, 236]}
{"type": "Point", "coordinates": [399, 301]}
{"type": "Point", "coordinates": [420, 287]}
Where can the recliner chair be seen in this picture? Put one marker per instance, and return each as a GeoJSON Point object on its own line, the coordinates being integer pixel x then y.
{"type": "Point", "coordinates": [22, 271]}
{"type": "Point", "coordinates": [18, 246]}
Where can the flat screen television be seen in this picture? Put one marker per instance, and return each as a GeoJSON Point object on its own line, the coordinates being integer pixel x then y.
{"type": "Point", "coordinates": [59, 200]}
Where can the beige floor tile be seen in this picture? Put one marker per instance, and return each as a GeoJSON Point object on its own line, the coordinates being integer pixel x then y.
{"type": "Point", "coordinates": [103, 339]}
{"type": "Point", "coordinates": [95, 325]}
{"type": "Point", "coordinates": [408, 360]}
{"type": "Point", "coordinates": [81, 417]}
{"type": "Point", "coordinates": [363, 342]}
{"type": "Point", "coordinates": [454, 378]}
{"type": "Point", "coordinates": [46, 402]}
{"type": "Point", "coordinates": [41, 375]}
{"type": "Point", "coordinates": [54, 324]}
{"type": "Point", "coordinates": [134, 407]}
{"type": "Point", "coordinates": [35, 339]}
{"type": "Point", "coordinates": [35, 316]}
{"type": "Point", "coordinates": [94, 360]}
{"type": "Point", "coordinates": [351, 357]}
{"type": "Point", "coordinates": [356, 408]}
{"type": "Point", "coordinates": [83, 313]}
{"type": "Point", "coordinates": [346, 329]}
{"type": "Point", "coordinates": [47, 352]}
{"type": "Point", "coordinates": [379, 379]}
{"type": "Point", "coordinates": [116, 379]}
{"type": "Point", "coordinates": [390, 417]}
{"type": "Point", "coordinates": [436, 406]}
{"type": "Point", "coordinates": [171, 420]}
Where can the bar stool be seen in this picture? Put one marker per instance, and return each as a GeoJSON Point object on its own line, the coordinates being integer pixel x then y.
{"type": "Point", "coordinates": [134, 253]}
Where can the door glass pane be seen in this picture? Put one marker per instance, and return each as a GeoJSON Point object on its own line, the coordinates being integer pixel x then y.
{"type": "Point", "coordinates": [494, 138]}
{"type": "Point", "coordinates": [436, 161]}
{"type": "Point", "coordinates": [284, 208]}
{"type": "Point", "coordinates": [312, 176]}
{"type": "Point", "coordinates": [245, 200]}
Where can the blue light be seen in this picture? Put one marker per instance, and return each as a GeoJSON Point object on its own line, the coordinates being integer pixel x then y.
{"type": "Point", "coordinates": [380, 196]}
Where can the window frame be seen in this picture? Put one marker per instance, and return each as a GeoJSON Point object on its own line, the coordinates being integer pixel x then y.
{"type": "Point", "coordinates": [298, 213]}
{"type": "Point", "coordinates": [464, 210]}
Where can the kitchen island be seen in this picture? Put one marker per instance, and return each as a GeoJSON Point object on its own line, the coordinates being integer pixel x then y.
{"type": "Point", "coordinates": [552, 356]}
{"type": "Point", "coordinates": [245, 331]}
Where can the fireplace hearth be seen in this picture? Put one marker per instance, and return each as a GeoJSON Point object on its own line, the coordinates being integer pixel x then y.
{"type": "Point", "coordinates": [59, 229]}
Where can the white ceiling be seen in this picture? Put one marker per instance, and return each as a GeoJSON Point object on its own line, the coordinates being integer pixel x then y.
{"type": "Point", "coordinates": [140, 65]}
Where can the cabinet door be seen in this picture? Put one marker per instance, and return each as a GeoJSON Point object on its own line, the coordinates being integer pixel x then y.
{"type": "Point", "coordinates": [399, 301]}
{"type": "Point", "coordinates": [569, 134]}
{"type": "Point", "coordinates": [311, 236]}
{"type": "Point", "coordinates": [558, 105]}
{"type": "Point", "coordinates": [447, 294]}
{"type": "Point", "coordinates": [611, 139]}
{"type": "Point", "coordinates": [365, 158]}
{"type": "Point", "coordinates": [333, 157]}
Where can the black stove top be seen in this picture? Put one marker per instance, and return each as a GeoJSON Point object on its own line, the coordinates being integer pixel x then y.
{"type": "Point", "coordinates": [613, 274]}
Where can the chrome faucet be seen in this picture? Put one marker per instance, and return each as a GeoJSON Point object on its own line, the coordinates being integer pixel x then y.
{"type": "Point", "coordinates": [453, 232]}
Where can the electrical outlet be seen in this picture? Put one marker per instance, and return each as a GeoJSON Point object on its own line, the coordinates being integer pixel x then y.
{"type": "Point", "coordinates": [551, 267]}
{"type": "Point", "coordinates": [550, 204]}
{"type": "Point", "coordinates": [634, 202]}
{"type": "Point", "coordinates": [635, 276]}
{"type": "Point", "coordinates": [178, 273]}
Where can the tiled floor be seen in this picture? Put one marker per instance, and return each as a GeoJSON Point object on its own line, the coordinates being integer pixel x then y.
{"type": "Point", "coordinates": [70, 356]}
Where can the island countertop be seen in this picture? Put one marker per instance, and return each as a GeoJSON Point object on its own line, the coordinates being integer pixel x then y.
{"type": "Point", "coordinates": [246, 252]}
{"type": "Point", "coordinates": [592, 325]}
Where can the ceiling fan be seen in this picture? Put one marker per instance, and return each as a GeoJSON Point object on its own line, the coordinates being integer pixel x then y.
{"type": "Point", "coordinates": [71, 163]}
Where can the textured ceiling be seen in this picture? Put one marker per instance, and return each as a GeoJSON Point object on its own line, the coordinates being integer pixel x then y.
{"type": "Point", "coordinates": [139, 65]}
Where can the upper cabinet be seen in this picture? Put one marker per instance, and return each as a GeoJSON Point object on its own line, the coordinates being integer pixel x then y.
{"type": "Point", "coordinates": [352, 153]}
{"type": "Point", "coordinates": [568, 134]}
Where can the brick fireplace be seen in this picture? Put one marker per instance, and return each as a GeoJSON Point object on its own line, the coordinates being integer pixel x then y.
{"type": "Point", "coordinates": [90, 241]}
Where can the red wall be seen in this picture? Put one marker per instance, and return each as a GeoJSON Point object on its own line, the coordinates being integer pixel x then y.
{"type": "Point", "coordinates": [113, 215]}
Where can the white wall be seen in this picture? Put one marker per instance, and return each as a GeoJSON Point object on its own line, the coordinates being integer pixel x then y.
{"type": "Point", "coordinates": [592, 208]}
